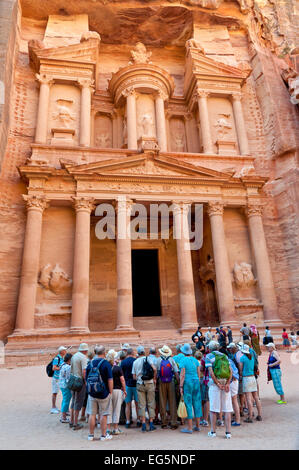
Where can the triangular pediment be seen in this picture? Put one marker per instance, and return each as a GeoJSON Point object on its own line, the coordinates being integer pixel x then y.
{"type": "Point", "coordinates": [145, 166]}
{"type": "Point", "coordinates": [204, 65]}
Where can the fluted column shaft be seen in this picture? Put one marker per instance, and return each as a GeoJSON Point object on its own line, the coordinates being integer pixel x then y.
{"type": "Point", "coordinates": [161, 122]}
{"type": "Point", "coordinates": [30, 265]}
{"type": "Point", "coordinates": [185, 270]}
{"type": "Point", "coordinates": [223, 276]}
{"type": "Point", "coordinates": [80, 296]}
{"type": "Point", "coordinates": [124, 267]}
{"type": "Point", "coordinates": [43, 109]}
{"type": "Point", "coordinates": [262, 263]}
{"type": "Point", "coordinates": [240, 124]}
{"type": "Point", "coordinates": [206, 135]}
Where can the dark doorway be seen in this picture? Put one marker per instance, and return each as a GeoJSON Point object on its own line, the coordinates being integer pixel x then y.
{"type": "Point", "coordinates": [145, 280]}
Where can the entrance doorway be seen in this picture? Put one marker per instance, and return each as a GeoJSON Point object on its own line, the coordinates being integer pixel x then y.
{"type": "Point", "coordinates": [145, 283]}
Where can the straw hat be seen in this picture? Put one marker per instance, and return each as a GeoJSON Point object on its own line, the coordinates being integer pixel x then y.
{"type": "Point", "coordinates": [165, 351]}
{"type": "Point", "coordinates": [83, 347]}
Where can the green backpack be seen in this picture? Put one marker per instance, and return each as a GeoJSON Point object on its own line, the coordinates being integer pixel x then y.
{"type": "Point", "coordinates": [221, 367]}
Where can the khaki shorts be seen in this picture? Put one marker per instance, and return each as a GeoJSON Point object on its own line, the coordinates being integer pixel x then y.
{"type": "Point", "coordinates": [100, 406]}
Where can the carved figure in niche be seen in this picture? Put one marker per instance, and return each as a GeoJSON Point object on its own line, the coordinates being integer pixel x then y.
{"type": "Point", "coordinates": [179, 141]}
{"type": "Point", "coordinates": [54, 279]}
{"type": "Point", "coordinates": [223, 126]}
{"type": "Point", "coordinates": [140, 55]}
{"type": "Point", "coordinates": [243, 275]}
{"type": "Point", "coordinates": [63, 113]}
{"type": "Point", "coordinates": [103, 141]}
{"type": "Point", "coordinates": [146, 125]}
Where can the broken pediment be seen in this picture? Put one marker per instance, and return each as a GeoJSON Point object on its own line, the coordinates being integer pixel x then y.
{"type": "Point", "coordinates": [203, 65]}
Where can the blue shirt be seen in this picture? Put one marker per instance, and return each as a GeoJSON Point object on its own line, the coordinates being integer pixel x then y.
{"type": "Point", "coordinates": [178, 359]}
{"type": "Point", "coordinates": [190, 364]}
{"type": "Point", "coordinates": [105, 371]}
{"type": "Point", "coordinates": [126, 366]}
{"type": "Point", "coordinates": [248, 365]}
{"type": "Point", "coordinates": [57, 361]}
{"type": "Point", "coordinates": [153, 358]}
{"type": "Point", "coordinates": [209, 361]}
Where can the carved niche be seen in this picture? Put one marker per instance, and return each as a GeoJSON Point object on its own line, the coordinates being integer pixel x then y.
{"type": "Point", "coordinates": [64, 114]}
{"type": "Point", "coordinates": [103, 131]}
{"type": "Point", "coordinates": [146, 122]}
{"type": "Point", "coordinates": [177, 135]}
{"type": "Point", "coordinates": [243, 275]}
{"type": "Point", "coordinates": [54, 279]}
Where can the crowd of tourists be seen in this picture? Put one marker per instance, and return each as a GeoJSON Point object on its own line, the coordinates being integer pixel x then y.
{"type": "Point", "coordinates": [213, 383]}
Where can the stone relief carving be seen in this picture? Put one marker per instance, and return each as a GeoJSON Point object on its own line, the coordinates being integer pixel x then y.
{"type": "Point", "coordinates": [139, 55]}
{"type": "Point", "coordinates": [223, 126]}
{"type": "Point", "coordinates": [63, 114]}
{"type": "Point", "coordinates": [247, 170]}
{"type": "Point", "coordinates": [207, 272]}
{"type": "Point", "coordinates": [104, 141]}
{"type": "Point", "coordinates": [243, 275]}
{"type": "Point", "coordinates": [54, 279]}
{"type": "Point", "coordinates": [146, 126]}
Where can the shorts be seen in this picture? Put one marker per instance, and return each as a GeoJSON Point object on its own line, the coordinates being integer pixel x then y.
{"type": "Point", "coordinates": [220, 400]}
{"type": "Point", "coordinates": [55, 385]}
{"type": "Point", "coordinates": [286, 342]}
{"type": "Point", "coordinates": [99, 406]}
{"type": "Point", "coordinates": [234, 388]}
{"type": "Point", "coordinates": [249, 384]}
{"type": "Point", "coordinates": [131, 394]}
{"type": "Point", "coordinates": [78, 399]}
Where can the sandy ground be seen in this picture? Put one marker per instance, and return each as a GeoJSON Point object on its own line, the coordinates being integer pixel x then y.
{"type": "Point", "coordinates": [26, 422]}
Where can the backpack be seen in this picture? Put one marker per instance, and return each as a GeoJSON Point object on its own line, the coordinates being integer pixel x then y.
{"type": "Point", "coordinates": [49, 368]}
{"type": "Point", "coordinates": [75, 383]}
{"type": "Point", "coordinates": [221, 367]}
{"type": "Point", "coordinates": [95, 385]}
{"type": "Point", "coordinates": [166, 371]}
{"type": "Point", "coordinates": [147, 371]}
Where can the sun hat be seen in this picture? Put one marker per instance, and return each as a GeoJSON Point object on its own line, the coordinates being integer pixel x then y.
{"type": "Point", "coordinates": [125, 346]}
{"type": "Point", "coordinates": [62, 348]}
{"type": "Point", "coordinates": [186, 349]}
{"type": "Point", "coordinates": [83, 347]}
{"type": "Point", "coordinates": [231, 345]}
{"type": "Point", "coordinates": [240, 344]}
{"type": "Point", "coordinates": [245, 349]}
{"type": "Point", "coordinates": [165, 351]}
{"type": "Point", "coordinates": [271, 345]}
{"type": "Point", "coordinates": [140, 350]}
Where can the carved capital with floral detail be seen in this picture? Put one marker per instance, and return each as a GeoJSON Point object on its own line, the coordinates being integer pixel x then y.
{"type": "Point", "coordinates": [161, 94]}
{"type": "Point", "coordinates": [129, 91]}
{"type": "Point", "coordinates": [215, 208]}
{"type": "Point", "coordinates": [86, 83]}
{"type": "Point", "coordinates": [237, 96]}
{"type": "Point", "coordinates": [85, 204]}
{"type": "Point", "coordinates": [254, 208]}
{"type": "Point", "coordinates": [36, 202]}
{"type": "Point", "coordinates": [202, 93]}
{"type": "Point", "coordinates": [44, 79]}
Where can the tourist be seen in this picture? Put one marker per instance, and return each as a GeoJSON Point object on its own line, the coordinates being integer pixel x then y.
{"type": "Point", "coordinates": [100, 402]}
{"type": "Point", "coordinates": [274, 372]}
{"type": "Point", "coordinates": [64, 375]}
{"type": "Point", "coordinates": [131, 390]}
{"type": "Point", "coordinates": [118, 395]}
{"type": "Point", "coordinates": [222, 340]}
{"type": "Point", "coordinates": [153, 355]}
{"type": "Point", "coordinates": [121, 355]}
{"type": "Point", "coordinates": [294, 342]}
{"type": "Point", "coordinates": [85, 409]}
{"type": "Point", "coordinates": [267, 338]}
{"type": "Point", "coordinates": [234, 385]}
{"type": "Point", "coordinates": [167, 371]}
{"type": "Point", "coordinates": [145, 374]}
{"type": "Point", "coordinates": [285, 340]}
{"type": "Point", "coordinates": [78, 367]}
{"type": "Point", "coordinates": [249, 383]}
{"type": "Point", "coordinates": [220, 375]}
{"type": "Point", "coordinates": [208, 335]}
{"type": "Point", "coordinates": [229, 335]}
{"type": "Point", "coordinates": [245, 331]}
{"type": "Point", "coordinates": [255, 339]}
{"type": "Point", "coordinates": [56, 365]}
{"type": "Point", "coordinates": [198, 343]}
{"type": "Point", "coordinates": [177, 358]}
{"type": "Point", "coordinates": [190, 388]}
{"type": "Point", "coordinates": [204, 390]}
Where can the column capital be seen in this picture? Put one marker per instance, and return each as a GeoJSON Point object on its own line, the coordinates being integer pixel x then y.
{"type": "Point", "coordinates": [36, 202]}
{"type": "Point", "coordinates": [202, 93]}
{"type": "Point", "coordinates": [130, 91]}
{"type": "Point", "coordinates": [123, 204]}
{"type": "Point", "coordinates": [44, 79]}
{"type": "Point", "coordinates": [161, 94]}
{"type": "Point", "coordinates": [86, 83]}
{"type": "Point", "coordinates": [85, 204]}
{"type": "Point", "coordinates": [254, 208]}
{"type": "Point", "coordinates": [236, 96]}
{"type": "Point", "coordinates": [215, 208]}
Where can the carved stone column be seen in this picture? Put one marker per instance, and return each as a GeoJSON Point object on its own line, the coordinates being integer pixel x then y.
{"type": "Point", "coordinates": [206, 135]}
{"type": "Point", "coordinates": [223, 275]}
{"type": "Point", "coordinates": [240, 124]}
{"type": "Point", "coordinates": [130, 95]}
{"type": "Point", "coordinates": [43, 108]}
{"type": "Point", "coordinates": [80, 297]}
{"type": "Point", "coordinates": [124, 267]}
{"type": "Point", "coordinates": [161, 122]}
{"type": "Point", "coordinates": [30, 265]}
{"type": "Point", "coordinates": [185, 271]}
{"type": "Point", "coordinates": [262, 262]}
{"type": "Point", "coordinates": [189, 134]}
{"type": "Point", "coordinates": [85, 111]}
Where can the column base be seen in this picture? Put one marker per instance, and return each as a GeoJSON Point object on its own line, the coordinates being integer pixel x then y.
{"type": "Point", "coordinates": [188, 328]}
{"type": "Point", "coordinates": [79, 330]}
{"type": "Point", "coordinates": [125, 328]}
{"type": "Point", "coordinates": [22, 332]}
{"type": "Point", "coordinates": [231, 323]}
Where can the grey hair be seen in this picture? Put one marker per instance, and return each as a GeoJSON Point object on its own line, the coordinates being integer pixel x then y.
{"type": "Point", "coordinates": [178, 347]}
{"type": "Point", "coordinates": [213, 346]}
{"type": "Point", "coordinates": [99, 350]}
{"type": "Point", "coordinates": [122, 354]}
{"type": "Point", "coordinates": [130, 351]}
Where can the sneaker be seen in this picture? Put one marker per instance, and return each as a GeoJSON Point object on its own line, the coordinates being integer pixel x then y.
{"type": "Point", "coordinates": [128, 425]}
{"type": "Point", "coordinates": [204, 423]}
{"type": "Point", "coordinates": [228, 435]}
{"type": "Point", "coordinates": [90, 437]}
{"type": "Point", "coordinates": [64, 420]}
{"type": "Point", "coordinates": [195, 428]}
{"type": "Point", "coordinates": [219, 422]}
{"type": "Point", "coordinates": [259, 418]}
{"type": "Point", "coordinates": [281, 402]}
{"type": "Point", "coordinates": [152, 427]}
{"type": "Point", "coordinates": [234, 423]}
{"type": "Point", "coordinates": [106, 438]}
{"type": "Point", "coordinates": [116, 432]}
{"type": "Point", "coordinates": [77, 426]}
{"type": "Point", "coordinates": [143, 427]}
{"type": "Point", "coordinates": [245, 410]}
{"type": "Point", "coordinates": [211, 434]}
{"type": "Point", "coordinates": [54, 411]}
{"type": "Point", "coordinates": [139, 424]}
{"type": "Point", "coordinates": [186, 430]}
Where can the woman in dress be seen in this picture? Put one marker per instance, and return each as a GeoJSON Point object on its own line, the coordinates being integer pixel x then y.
{"type": "Point", "coordinates": [64, 375]}
{"type": "Point", "coordinates": [274, 372]}
{"type": "Point", "coordinates": [190, 388]}
{"type": "Point", "coordinates": [255, 339]}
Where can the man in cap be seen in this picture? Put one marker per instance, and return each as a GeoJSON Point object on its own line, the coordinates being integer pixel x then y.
{"type": "Point", "coordinates": [145, 388]}
{"type": "Point", "coordinates": [78, 368]}
{"type": "Point", "coordinates": [167, 371]}
{"type": "Point", "coordinates": [127, 365]}
{"type": "Point", "coordinates": [57, 363]}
